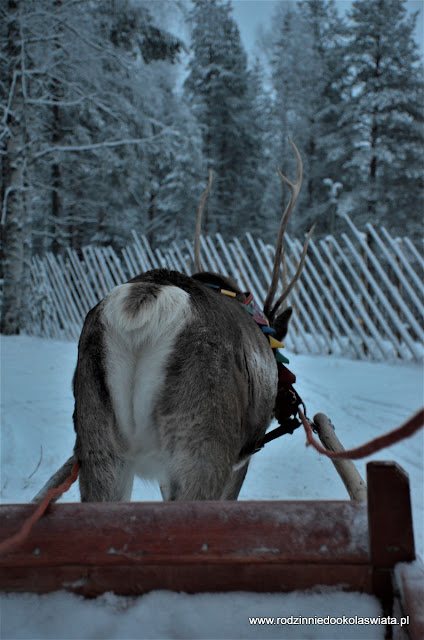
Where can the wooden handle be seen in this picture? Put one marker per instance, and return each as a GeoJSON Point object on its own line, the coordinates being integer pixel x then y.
{"type": "Point", "coordinates": [355, 485]}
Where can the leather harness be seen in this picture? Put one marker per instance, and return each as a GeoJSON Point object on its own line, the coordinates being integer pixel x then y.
{"type": "Point", "coordinates": [287, 401]}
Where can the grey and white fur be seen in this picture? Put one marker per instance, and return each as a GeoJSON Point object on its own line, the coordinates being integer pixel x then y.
{"type": "Point", "coordinates": [173, 381]}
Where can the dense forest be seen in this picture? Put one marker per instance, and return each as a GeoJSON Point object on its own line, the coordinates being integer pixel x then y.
{"type": "Point", "coordinates": [113, 111]}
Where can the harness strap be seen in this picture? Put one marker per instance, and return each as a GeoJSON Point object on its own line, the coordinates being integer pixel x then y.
{"type": "Point", "coordinates": [287, 401]}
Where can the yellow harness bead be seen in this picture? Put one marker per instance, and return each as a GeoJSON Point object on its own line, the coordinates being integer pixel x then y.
{"type": "Point", "coordinates": [231, 294]}
{"type": "Point", "coordinates": [275, 344]}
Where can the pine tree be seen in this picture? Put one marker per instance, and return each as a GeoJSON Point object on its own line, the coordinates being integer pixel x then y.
{"type": "Point", "coordinates": [384, 118]}
{"type": "Point", "coordinates": [323, 151]}
{"type": "Point", "coordinates": [217, 88]}
{"type": "Point", "coordinates": [306, 72]}
{"type": "Point", "coordinates": [260, 161]}
{"type": "Point", "coordinates": [183, 182]}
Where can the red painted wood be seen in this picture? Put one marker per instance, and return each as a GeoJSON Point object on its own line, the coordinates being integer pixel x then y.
{"type": "Point", "coordinates": [410, 580]}
{"type": "Point", "coordinates": [269, 546]}
{"type": "Point", "coordinates": [152, 533]}
{"type": "Point", "coordinates": [389, 515]}
{"type": "Point", "coordinates": [124, 579]}
{"type": "Point", "coordinates": [391, 536]}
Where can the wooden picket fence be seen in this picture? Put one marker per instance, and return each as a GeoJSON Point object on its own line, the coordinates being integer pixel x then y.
{"type": "Point", "coordinates": [360, 295]}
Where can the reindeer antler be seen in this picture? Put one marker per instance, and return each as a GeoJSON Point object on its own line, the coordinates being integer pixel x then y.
{"type": "Point", "coordinates": [270, 310]}
{"type": "Point", "coordinates": [197, 262]}
{"type": "Point", "coordinates": [296, 276]}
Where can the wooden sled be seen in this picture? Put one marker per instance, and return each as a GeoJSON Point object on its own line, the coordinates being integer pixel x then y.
{"type": "Point", "coordinates": [275, 546]}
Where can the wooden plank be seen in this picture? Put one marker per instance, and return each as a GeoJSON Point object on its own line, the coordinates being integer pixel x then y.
{"type": "Point", "coordinates": [389, 515]}
{"type": "Point", "coordinates": [161, 260]}
{"type": "Point", "coordinates": [131, 262]}
{"type": "Point", "coordinates": [206, 257]}
{"type": "Point", "coordinates": [357, 302]}
{"type": "Point", "coordinates": [221, 267]}
{"type": "Point", "coordinates": [78, 281]}
{"type": "Point", "coordinates": [58, 290]}
{"type": "Point", "coordinates": [346, 469]}
{"type": "Point", "coordinates": [184, 533]}
{"type": "Point", "coordinates": [349, 303]}
{"type": "Point", "coordinates": [266, 274]}
{"type": "Point", "coordinates": [150, 256]}
{"type": "Point", "coordinates": [370, 299]}
{"type": "Point", "coordinates": [171, 257]}
{"type": "Point", "coordinates": [100, 252]}
{"type": "Point", "coordinates": [413, 250]}
{"type": "Point", "coordinates": [183, 262]}
{"type": "Point", "coordinates": [306, 310]}
{"type": "Point", "coordinates": [115, 266]}
{"type": "Point", "coordinates": [331, 293]}
{"type": "Point", "coordinates": [81, 277]}
{"type": "Point", "coordinates": [66, 270]}
{"type": "Point", "coordinates": [93, 275]}
{"type": "Point", "coordinates": [391, 535]}
{"type": "Point", "coordinates": [244, 282]}
{"type": "Point", "coordinates": [395, 293]}
{"type": "Point", "coordinates": [127, 579]}
{"type": "Point", "coordinates": [410, 583]}
{"type": "Point", "coordinates": [390, 288]}
{"type": "Point", "coordinates": [395, 244]}
{"type": "Point", "coordinates": [189, 248]}
{"type": "Point", "coordinates": [99, 276]}
{"type": "Point", "coordinates": [319, 288]}
{"type": "Point", "coordinates": [140, 254]}
{"type": "Point", "coordinates": [250, 272]}
{"type": "Point", "coordinates": [233, 271]}
{"type": "Point", "coordinates": [49, 322]}
{"type": "Point", "coordinates": [191, 546]}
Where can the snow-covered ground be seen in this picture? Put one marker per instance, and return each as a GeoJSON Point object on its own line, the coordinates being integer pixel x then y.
{"type": "Point", "coordinates": [362, 399]}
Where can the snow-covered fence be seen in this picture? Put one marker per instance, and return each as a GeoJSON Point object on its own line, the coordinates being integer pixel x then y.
{"type": "Point", "coordinates": [360, 295]}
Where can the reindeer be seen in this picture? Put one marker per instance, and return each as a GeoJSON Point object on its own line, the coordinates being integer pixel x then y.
{"type": "Point", "coordinates": [176, 382]}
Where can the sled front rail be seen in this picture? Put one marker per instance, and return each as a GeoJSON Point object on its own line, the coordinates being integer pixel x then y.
{"type": "Point", "coordinates": [275, 546]}
{"type": "Point", "coordinates": [192, 547]}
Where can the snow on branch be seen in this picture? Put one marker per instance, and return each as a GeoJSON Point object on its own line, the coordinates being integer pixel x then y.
{"type": "Point", "coordinates": [101, 145]}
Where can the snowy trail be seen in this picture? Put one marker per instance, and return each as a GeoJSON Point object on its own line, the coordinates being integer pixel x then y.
{"type": "Point", "coordinates": [362, 399]}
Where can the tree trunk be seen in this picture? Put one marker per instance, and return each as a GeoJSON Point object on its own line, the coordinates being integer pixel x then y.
{"type": "Point", "coordinates": [56, 207]}
{"type": "Point", "coordinates": [15, 223]}
{"type": "Point", "coordinates": [57, 230]}
{"type": "Point", "coordinates": [151, 218]}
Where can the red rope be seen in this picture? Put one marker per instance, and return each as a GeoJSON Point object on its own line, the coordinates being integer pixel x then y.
{"type": "Point", "coordinates": [19, 537]}
{"type": "Point", "coordinates": [406, 430]}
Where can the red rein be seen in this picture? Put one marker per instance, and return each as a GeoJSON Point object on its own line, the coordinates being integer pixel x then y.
{"type": "Point", "coordinates": [406, 430]}
{"type": "Point", "coordinates": [19, 537]}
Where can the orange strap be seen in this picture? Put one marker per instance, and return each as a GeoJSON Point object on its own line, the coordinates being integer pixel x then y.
{"type": "Point", "coordinates": [406, 430]}
{"type": "Point", "coordinates": [19, 537]}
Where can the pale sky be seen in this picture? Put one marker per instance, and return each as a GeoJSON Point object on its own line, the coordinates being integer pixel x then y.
{"type": "Point", "coordinates": [250, 13]}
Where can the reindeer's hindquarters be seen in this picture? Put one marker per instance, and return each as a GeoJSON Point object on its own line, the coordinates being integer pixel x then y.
{"type": "Point", "coordinates": [172, 382]}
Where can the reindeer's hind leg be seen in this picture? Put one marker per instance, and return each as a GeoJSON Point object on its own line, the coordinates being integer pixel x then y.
{"type": "Point", "coordinates": [200, 469]}
{"type": "Point", "coordinates": [104, 477]}
{"type": "Point", "coordinates": [234, 484]}
{"type": "Point", "coordinates": [106, 473]}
